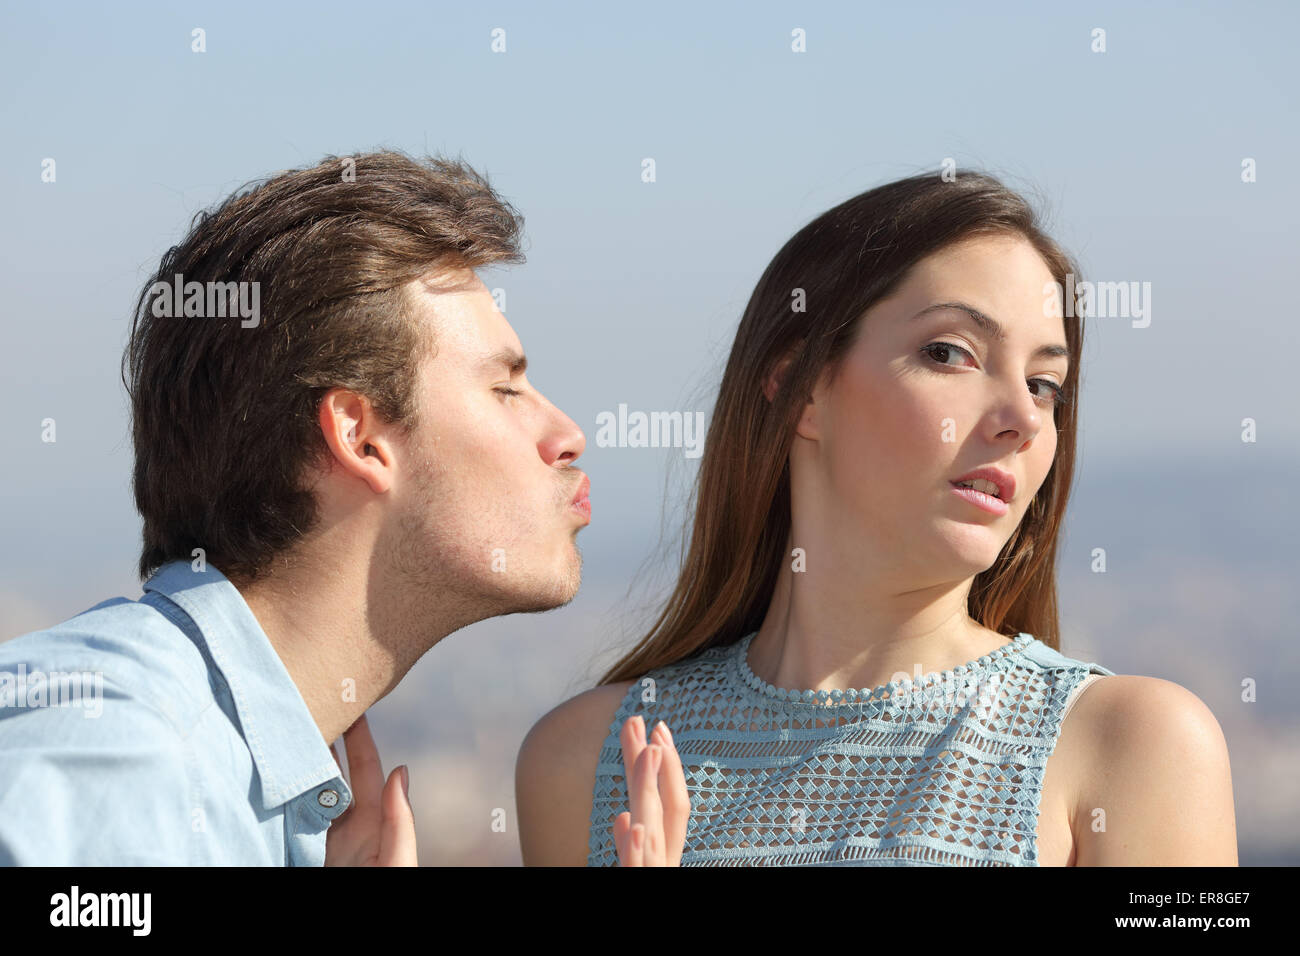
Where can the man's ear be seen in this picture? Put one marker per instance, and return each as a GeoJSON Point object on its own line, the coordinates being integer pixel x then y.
{"type": "Point", "coordinates": [357, 438]}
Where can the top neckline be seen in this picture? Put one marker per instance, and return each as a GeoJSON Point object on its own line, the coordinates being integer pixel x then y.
{"type": "Point", "coordinates": [852, 695]}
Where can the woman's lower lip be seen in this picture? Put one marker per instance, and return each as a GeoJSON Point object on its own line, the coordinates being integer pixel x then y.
{"type": "Point", "coordinates": [989, 503]}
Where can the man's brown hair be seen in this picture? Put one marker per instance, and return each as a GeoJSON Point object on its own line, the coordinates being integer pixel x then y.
{"type": "Point", "coordinates": [224, 410]}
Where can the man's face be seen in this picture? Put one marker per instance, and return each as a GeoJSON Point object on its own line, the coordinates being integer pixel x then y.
{"type": "Point", "coordinates": [487, 487]}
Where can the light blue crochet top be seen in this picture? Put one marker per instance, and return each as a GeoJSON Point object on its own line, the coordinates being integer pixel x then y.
{"type": "Point", "coordinates": [943, 770]}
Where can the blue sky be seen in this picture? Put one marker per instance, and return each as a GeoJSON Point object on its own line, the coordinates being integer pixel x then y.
{"type": "Point", "coordinates": [632, 290]}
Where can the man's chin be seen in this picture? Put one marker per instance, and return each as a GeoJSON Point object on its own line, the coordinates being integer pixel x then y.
{"type": "Point", "coordinates": [536, 604]}
{"type": "Point", "coordinates": [559, 592]}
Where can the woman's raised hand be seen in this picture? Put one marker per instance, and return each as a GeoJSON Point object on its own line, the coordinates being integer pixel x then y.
{"type": "Point", "coordinates": [378, 827]}
{"type": "Point", "coordinates": [653, 833]}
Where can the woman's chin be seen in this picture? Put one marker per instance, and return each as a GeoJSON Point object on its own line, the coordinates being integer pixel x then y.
{"type": "Point", "coordinates": [973, 550]}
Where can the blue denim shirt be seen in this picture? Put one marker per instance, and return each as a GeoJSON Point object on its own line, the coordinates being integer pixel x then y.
{"type": "Point", "coordinates": [163, 731]}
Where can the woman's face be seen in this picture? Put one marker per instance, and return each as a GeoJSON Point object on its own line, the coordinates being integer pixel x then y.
{"type": "Point", "coordinates": [925, 395]}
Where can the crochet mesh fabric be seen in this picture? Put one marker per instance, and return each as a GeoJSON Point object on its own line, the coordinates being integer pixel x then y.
{"type": "Point", "coordinates": [945, 770]}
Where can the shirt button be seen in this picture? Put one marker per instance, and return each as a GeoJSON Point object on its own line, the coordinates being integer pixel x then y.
{"type": "Point", "coordinates": [327, 798]}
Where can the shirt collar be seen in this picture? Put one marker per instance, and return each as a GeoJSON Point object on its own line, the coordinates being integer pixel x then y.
{"type": "Point", "coordinates": [287, 747]}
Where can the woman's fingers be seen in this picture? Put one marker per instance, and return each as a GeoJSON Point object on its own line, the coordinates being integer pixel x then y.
{"type": "Point", "coordinates": [397, 833]}
{"type": "Point", "coordinates": [653, 832]}
{"type": "Point", "coordinates": [366, 775]}
{"type": "Point", "coordinates": [645, 818]}
{"type": "Point", "coordinates": [622, 833]}
{"type": "Point", "coordinates": [647, 809]}
{"type": "Point", "coordinates": [674, 796]}
{"type": "Point", "coordinates": [632, 737]}
{"type": "Point", "coordinates": [636, 850]}
{"type": "Point", "coordinates": [635, 751]}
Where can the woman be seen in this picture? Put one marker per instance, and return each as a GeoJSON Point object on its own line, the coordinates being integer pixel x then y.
{"type": "Point", "coordinates": [878, 505]}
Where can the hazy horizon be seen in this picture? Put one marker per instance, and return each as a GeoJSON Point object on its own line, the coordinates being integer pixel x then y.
{"type": "Point", "coordinates": [632, 290]}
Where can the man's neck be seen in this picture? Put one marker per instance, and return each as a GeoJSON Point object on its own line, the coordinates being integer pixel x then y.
{"type": "Point", "coordinates": [344, 647]}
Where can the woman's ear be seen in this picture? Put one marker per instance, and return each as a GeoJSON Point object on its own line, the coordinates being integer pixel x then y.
{"type": "Point", "coordinates": [807, 426]}
{"type": "Point", "coordinates": [776, 377]}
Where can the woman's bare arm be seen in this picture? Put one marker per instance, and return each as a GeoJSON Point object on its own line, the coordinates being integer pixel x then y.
{"type": "Point", "coordinates": [555, 774]}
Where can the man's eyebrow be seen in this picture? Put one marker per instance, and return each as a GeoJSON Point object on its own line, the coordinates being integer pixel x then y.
{"type": "Point", "coordinates": [509, 358]}
{"type": "Point", "coordinates": [993, 327]}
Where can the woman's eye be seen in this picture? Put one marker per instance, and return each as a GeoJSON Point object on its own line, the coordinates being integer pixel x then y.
{"type": "Point", "coordinates": [506, 390]}
{"type": "Point", "coordinates": [1057, 395]}
{"type": "Point", "coordinates": [938, 353]}
{"type": "Point", "coordinates": [943, 347]}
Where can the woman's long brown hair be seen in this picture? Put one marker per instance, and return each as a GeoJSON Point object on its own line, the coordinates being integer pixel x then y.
{"type": "Point", "coordinates": [844, 261]}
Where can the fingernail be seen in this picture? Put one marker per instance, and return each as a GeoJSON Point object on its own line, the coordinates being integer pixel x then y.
{"type": "Point", "coordinates": [406, 783]}
{"type": "Point", "coordinates": [668, 737]}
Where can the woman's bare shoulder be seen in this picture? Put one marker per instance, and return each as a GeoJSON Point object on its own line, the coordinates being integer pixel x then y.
{"type": "Point", "coordinates": [1156, 788]}
{"type": "Point", "coordinates": [555, 774]}
{"type": "Point", "coordinates": [1124, 713]}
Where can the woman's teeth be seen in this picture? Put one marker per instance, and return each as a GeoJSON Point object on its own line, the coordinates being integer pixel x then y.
{"type": "Point", "coordinates": [981, 484]}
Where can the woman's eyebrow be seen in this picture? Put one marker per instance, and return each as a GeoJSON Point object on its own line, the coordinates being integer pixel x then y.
{"type": "Point", "coordinates": [993, 327]}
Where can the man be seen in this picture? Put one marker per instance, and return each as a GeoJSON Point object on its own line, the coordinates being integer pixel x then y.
{"type": "Point", "coordinates": [339, 461]}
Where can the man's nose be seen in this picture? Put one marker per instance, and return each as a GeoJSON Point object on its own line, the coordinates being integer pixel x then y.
{"type": "Point", "coordinates": [565, 441]}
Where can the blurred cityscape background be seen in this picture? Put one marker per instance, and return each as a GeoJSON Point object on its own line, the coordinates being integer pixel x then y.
{"type": "Point", "coordinates": [632, 292]}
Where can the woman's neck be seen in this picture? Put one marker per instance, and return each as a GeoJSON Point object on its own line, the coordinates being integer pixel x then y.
{"type": "Point", "coordinates": [841, 627]}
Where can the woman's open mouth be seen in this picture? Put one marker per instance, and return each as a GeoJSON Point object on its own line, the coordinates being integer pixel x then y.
{"type": "Point", "coordinates": [980, 499]}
